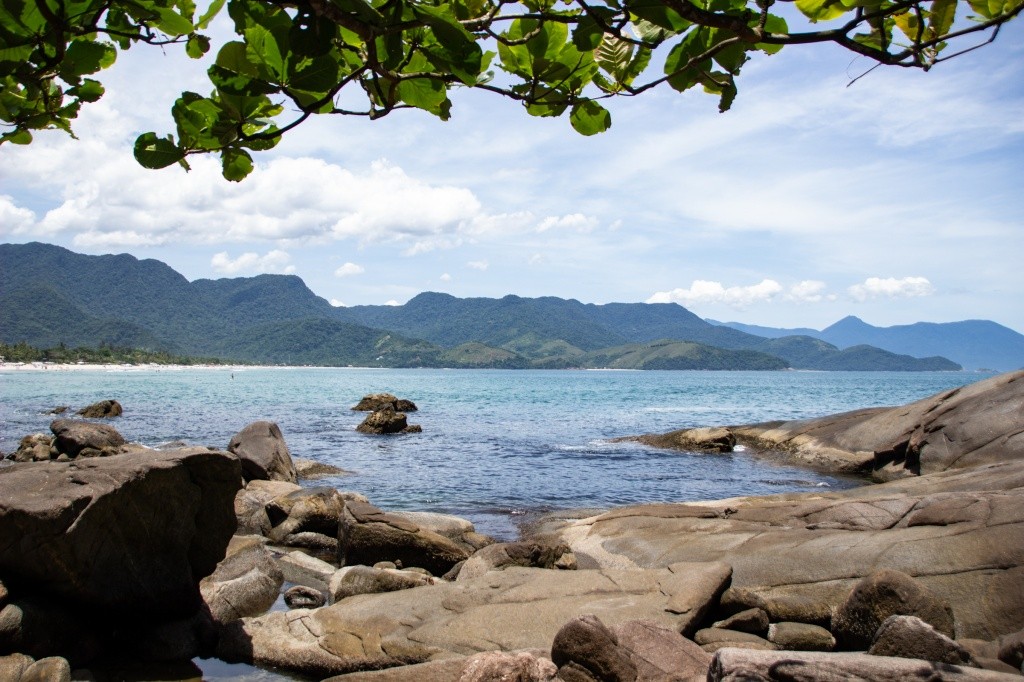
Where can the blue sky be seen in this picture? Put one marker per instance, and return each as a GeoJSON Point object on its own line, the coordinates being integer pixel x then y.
{"type": "Point", "coordinates": [896, 199]}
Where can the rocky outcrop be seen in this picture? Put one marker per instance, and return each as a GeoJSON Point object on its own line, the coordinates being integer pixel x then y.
{"type": "Point", "coordinates": [510, 610]}
{"type": "Point", "coordinates": [22, 668]}
{"type": "Point", "coordinates": [104, 409]}
{"type": "Point", "coordinates": [261, 449]}
{"type": "Point", "coordinates": [959, 533]}
{"type": "Point", "coordinates": [352, 580]}
{"type": "Point", "coordinates": [378, 401]}
{"type": "Point", "coordinates": [385, 421]}
{"type": "Point", "coordinates": [500, 556]}
{"type": "Point", "coordinates": [122, 535]}
{"type": "Point", "coordinates": [36, 447]}
{"type": "Point", "coordinates": [911, 637]}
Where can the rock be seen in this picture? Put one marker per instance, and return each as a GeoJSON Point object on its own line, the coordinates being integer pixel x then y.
{"type": "Point", "coordinates": [353, 580]}
{"type": "Point", "coordinates": [739, 665]}
{"type": "Point", "coordinates": [37, 447]}
{"type": "Point", "coordinates": [130, 535]}
{"type": "Point", "coordinates": [586, 642]}
{"type": "Point", "coordinates": [44, 628]}
{"type": "Point", "coordinates": [261, 449]}
{"type": "Point", "coordinates": [911, 637]}
{"type": "Point", "coordinates": [302, 597]}
{"type": "Point", "coordinates": [660, 654]}
{"type": "Point", "coordinates": [730, 637]}
{"type": "Point", "coordinates": [1011, 649]}
{"type": "Point", "coordinates": [503, 555]}
{"type": "Point", "coordinates": [882, 594]}
{"type": "Point", "coordinates": [12, 666]}
{"type": "Point", "coordinates": [800, 571]}
{"type": "Point", "coordinates": [499, 666]}
{"type": "Point", "coordinates": [307, 510]}
{"type": "Point", "coordinates": [510, 610]}
{"type": "Point", "coordinates": [104, 409]}
{"type": "Point", "coordinates": [378, 401]}
{"type": "Point", "coordinates": [960, 428]}
{"type": "Point", "coordinates": [251, 502]}
{"type": "Point", "coordinates": [300, 568]}
{"type": "Point", "coordinates": [307, 469]}
{"type": "Point", "coordinates": [695, 587]}
{"type": "Point", "coordinates": [60, 409]}
{"type": "Point", "coordinates": [801, 637]}
{"type": "Point", "coordinates": [317, 545]}
{"type": "Point", "coordinates": [754, 621]}
{"type": "Point", "coordinates": [245, 583]}
{"type": "Point", "coordinates": [701, 440]}
{"type": "Point", "coordinates": [385, 421]}
{"type": "Point", "coordinates": [369, 535]}
{"type": "Point", "coordinates": [74, 438]}
{"type": "Point", "coordinates": [50, 669]}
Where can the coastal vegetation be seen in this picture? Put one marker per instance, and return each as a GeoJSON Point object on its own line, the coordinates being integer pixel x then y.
{"type": "Point", "coordinates": [50, 296]}
{"type": "Point", "coordinates": [102, 355]}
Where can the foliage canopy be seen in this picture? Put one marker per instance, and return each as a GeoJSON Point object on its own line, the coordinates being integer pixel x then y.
{"type": "Point", "coordinates": [293, 59]}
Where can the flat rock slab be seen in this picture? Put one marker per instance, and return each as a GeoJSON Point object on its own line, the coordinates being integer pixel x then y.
{"type": "Point", "coordinates": [131, 534]}
{"type": "Point", "coordinates": [510, 610]}
{"type": "Point", "coordinates": [959, 532]}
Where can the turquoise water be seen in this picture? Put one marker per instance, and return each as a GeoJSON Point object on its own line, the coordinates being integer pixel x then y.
{"type": "Point", "coordinates": [497, 446]}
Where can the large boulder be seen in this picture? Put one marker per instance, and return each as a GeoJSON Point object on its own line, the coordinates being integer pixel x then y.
{"type": "Point", "coordinates": [585, 649]}
{"type": "Point", "coordinates": [128, 536]}
{"type": "Point", "coordinates": [76, 438]}
{"type": "Point", "coordinates": [261, 449]}
{"type": "Point", "coordinates": [503, 555]}
{"type": "Point", "coordinates": [352, 580]}
{"type": "Point", "coordinates": [882, 594]}
{"type": "Point", "coordinates": [715, 439]}
{"type": "Point", "coordinates": [911, 637]}
{"type": "Point", "coordinates": [251, 504]}
{"type": "Point", "coordinates": [369, 535]}
{"type": "Point", "coordinates": [104, 409]}
{"type": "Point", "coordinates": [307, 510]}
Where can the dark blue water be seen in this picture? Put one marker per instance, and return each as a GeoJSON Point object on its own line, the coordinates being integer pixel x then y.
{"type": "Point", "coordinates": [496, 445]}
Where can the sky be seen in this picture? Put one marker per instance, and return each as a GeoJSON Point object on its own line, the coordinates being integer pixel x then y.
{"type": "Point", "coordinates": [898, 198]}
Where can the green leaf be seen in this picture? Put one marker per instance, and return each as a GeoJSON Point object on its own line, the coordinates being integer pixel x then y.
{"type": "Point", "coordinates": [821, 10]}
{"type": "Point", "coordinates": [197, 46]}
{"type": "Point", "coordinates": [211, 12]}
{"type": "Point", "coordinates": [86, 56]}
{"type": "Point", "coordinates": [157, 152]}
{"type": "Point", "coordinates": [655, 12]}
{"type": "Point", "coordinates": [614, 56]}
{"type": "Point", "coordinates": [941, 18]}
{"type": "Point", "coordinates": [172, 23]}
{"type": "Point", "coordinates": [262, 49]}
{"type": "Point", "coordinates": [428, 94]}
{"type": "Point", "coordinates": [20, 136]}
{"type": "Point", "coordinates": [318, 75]}
{"type": "Point", "coordinates": [236, 164]}
{"type": "Point", "coordinates": [461, 50]}
{"type": "Point", "coordinates": [589, 118]}
{"type": "Point", "coordinates": [587, 34]}
{"type": "Point", "coordinates": [88, 90]}
{"type": "Point", "coordinates": [774, 24]}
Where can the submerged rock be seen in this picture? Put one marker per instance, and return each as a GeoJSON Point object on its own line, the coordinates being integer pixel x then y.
{"type": "Point", "coordinates": [386, 420]}
{"type": "Point", "coordinates": [702, 439]}
{"type": "Point", "coordinates": [378, 401]}
{"type": "Point", "coordinates": [104, 409]}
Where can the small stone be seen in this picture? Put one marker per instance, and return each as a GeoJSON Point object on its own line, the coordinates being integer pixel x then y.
{"type": "Point", "coordinates": [104, 409]}
{"type": "Point", "coordinates": [754, 621]}
{"type": "Point", "coordinates": [801, 637]}
{"type": "Point", "coordinates": [302, 597]}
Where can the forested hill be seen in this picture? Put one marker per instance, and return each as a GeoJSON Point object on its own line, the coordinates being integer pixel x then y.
{"type": "Point", "coordinates": [975, 344]}
{"type": "Point", "coordinates": [50, 296]}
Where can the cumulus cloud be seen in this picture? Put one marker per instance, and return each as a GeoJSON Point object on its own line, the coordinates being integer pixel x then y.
{"type": "Point", "coordinates": [392, 302]}
{"type": "Point", "coordinates": [890, 287]}
{"type": "Point", "coordinates": [807, 291]}
{"type": "Point", "coordinates": [446, 277]}
{"type": "Point", "coordinates": [338, 304]}
{"type": "Point", "coordinates": [704, 291]}
{"type": "Point", "coordinates": [275, 261]}
{"type": "Point", "coordinates": [575, 221]}
{"type": "Point", "coordinates": [13, 218]}
{"type": "Point", "coordinates": [349, 269]}
{"type": "Point", "coordinates": [478, 265]}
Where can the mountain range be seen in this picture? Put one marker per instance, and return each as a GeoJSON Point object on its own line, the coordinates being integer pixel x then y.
{"type": "Point", "coordinates": [50, 295]}
{"type": "Point", "coordinates": [974, 344]}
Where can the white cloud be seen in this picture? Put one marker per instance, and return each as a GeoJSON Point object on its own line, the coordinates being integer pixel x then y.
{"type": "Point", "coordinates": [275, 261]}
{"type": "Point", "coordinates": [13, 218]}
{"type": "Point", "coordinates": [704, 291]}
{"type": "Point", "coordinates": [349, 269]}
{"type": "Point", "coordinates": [574, 221]}
{"type": "Point", "coordinates": [392, 302]}
{"type": "Point", "coordinates": [478, 265]}
{"type": "Point", "coordinates": [446, 277]}
{"type": "Point", "coordinates": [876, 287]}
{"type": "Point", "coordinates": [338, 304]}
{"type": "Point", "coordinates": [537, 259]}
{"type": "Point", "coordinates": [807, 291]}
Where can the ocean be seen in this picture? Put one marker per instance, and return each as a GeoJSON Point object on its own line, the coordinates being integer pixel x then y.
{"type": "Point", "coordinates": [498, 446]}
